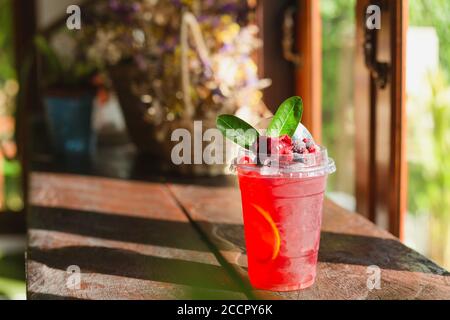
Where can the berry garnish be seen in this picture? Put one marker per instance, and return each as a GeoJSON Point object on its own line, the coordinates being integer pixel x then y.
{"type": "Point", "coordinates": [279, 132]}
{"type": "Point", "coordinates": [245, 160]}
{"type": "Point", "coordinates": [284, 144]}
{"type": "Point", "coordinates": [312, 149]}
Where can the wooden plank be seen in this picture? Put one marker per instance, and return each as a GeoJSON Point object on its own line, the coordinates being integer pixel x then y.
{"type": "Point", "coordinates": [129, 239]}
{"type": "Point", "coordinates": [349, 244]}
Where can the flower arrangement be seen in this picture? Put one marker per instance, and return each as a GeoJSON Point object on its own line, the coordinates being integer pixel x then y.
{"type": "Point", "coordinates": [196, 54]}
{"type": "Point", "coordinates": [175, 61]}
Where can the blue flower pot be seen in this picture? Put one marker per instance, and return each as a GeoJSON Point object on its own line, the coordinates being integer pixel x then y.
{"type": "Point", "coordinates": [70, 123]}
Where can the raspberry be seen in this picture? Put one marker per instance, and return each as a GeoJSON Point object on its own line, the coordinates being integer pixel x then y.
{"type": "Point", "coordinates": [311, 149]}
{"type": "Point", "coordinates": [245, 160]}
{"type": "Point", "coordinates": [283, 144]}
{"type": "Point", "coordinates": [300, 147]}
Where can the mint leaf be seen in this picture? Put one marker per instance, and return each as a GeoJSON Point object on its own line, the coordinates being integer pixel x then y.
{"type": "Point", "coordinates": [287, 118]}
{"type": "Point", "coordinates": [237, 130]}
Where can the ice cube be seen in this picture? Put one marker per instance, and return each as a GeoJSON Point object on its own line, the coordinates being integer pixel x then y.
{"type": "Point", "coordinates": [301, 133]}
{"type": "Point", "coordinates": [270, 170]}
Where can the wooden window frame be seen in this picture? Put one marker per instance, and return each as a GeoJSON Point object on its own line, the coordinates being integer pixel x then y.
{"type": "Point", "coordinates": [380, 118]}
{"type": "Point", "coordinates": [308, 74]}
{"type": "Point", "coordinates": [304, 78]}
{"type": "Point", "coordinates": [380, 115]}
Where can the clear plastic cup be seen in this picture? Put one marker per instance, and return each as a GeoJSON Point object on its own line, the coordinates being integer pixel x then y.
{"type": "Point", "coordinates": [282, 207]}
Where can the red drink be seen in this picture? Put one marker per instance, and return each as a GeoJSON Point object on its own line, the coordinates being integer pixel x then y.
{"type": "Point", "coordinates": [282, 219]}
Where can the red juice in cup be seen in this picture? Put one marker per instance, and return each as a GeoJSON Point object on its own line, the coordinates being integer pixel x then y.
{"type": "Point", "coordinates": [282, 176]}
{"type": "Point", "coordinates": [282, 210]}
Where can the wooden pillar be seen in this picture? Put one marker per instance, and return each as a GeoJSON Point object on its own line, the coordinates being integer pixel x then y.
{"type": "Point", "coordinates": [380, 115]}
{"type": "Point", "coordinates": [309, 71]}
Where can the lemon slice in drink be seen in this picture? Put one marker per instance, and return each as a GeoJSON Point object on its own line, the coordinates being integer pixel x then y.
{"type": "Point", "coordinates": [269, 237]}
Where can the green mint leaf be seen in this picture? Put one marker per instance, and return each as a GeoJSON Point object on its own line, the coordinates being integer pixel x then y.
{"type": "Point", "coordinates": [287, 118]}
{"type": "Point", "coordinates": [237, 130]}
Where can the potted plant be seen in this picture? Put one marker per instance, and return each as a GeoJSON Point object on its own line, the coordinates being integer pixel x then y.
{"type": "Point", "coordinates": [173, 62]}
{"type": "Point", "coordinates": [68, 94]}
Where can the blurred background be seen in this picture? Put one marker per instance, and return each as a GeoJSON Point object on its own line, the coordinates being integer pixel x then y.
{"type": "Point", "coordinates": [427, 224]}
{"type": "Point", "coordinates": [12, 220]}
{"type": "Point", "coordinates": [104, 99]}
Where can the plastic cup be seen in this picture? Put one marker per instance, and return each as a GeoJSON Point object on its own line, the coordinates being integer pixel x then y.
{"type": "Point", "coordinates": [282, 208]}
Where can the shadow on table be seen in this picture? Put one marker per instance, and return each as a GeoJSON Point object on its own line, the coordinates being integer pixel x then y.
{"type": "Point", "coordinates": [366, 251]}
{"type": "Point", "coordinates": [166, 233]}
{"type": "Point", "coordinates": [335, 248]}
{"type": "Point", "coordinates": [343, 248]}
{"type": "Point", "coordinates": [125, 263]}
{"type": "Point", "coordinates": [48, 296]}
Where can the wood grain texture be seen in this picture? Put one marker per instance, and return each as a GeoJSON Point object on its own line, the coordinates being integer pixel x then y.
{"type": "Point", "coordinates": [129, 239]}
{"type": "Point", "coordinates": [349, 244]}
{"type": "Point", "coordinates": [364, 121]}
{"type": "Point", "coordinates": [308, 75]}
{"type": "Point", "coordinates": [381, 182]}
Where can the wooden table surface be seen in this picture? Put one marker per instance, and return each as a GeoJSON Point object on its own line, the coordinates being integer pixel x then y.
{"type": "Point", "coordinates": [140, 240]}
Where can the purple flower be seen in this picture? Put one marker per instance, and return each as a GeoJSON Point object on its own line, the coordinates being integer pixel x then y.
{"type": "Point", "coordinates": [114, 5]}
{"type": "Point", "coordinates": [177, 3]}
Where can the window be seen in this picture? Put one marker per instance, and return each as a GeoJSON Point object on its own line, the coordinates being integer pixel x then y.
{"type": "Point", "coordinates": [338, 133]}
{"type": "Point", "coordinates": [428, 110]}
{"type": "Point", "coordinates": [359, 94]}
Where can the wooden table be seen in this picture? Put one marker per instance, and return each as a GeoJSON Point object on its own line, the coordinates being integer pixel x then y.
{"type": "Point", "coordinates": [140, 240]}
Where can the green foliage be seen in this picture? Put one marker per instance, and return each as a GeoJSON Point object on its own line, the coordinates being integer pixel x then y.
{"type": "Point", "coordinates": [237, 130]}
{"type": "Point", "coordinates": [286, 119]}
{"type": "Point", "coordinates": [338, 19]}
{"type": "Point", "coordinates": [284, 122]}
{"type": "Point", "coordinates": [436, 14]}
{"type": "Point", "coordinates": [62, 75]}
{"type": "Point", "coordinates": [12, 270]}
{"type": "Point", "coordinates": [12, 276]}
{"type": "Point", "coordinates": [429, 179]}
{"type": "Point", "coordinates": [6, 54]}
